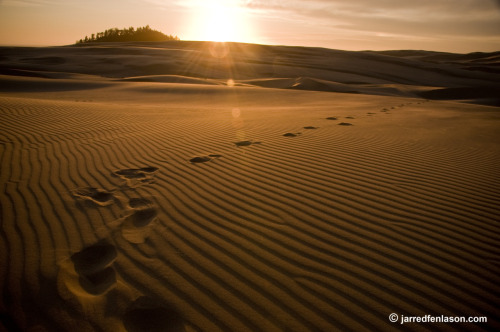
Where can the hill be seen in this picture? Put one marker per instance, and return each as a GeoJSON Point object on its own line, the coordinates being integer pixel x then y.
{"type": "Point", "coordinates": [420, 74]}
{"type": "Point", "coordinates": [127, 35]}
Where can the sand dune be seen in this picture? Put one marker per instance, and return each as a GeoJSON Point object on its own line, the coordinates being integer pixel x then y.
{"type": "Point", "coordinates": [380, 73]}
{"type": "Point", "coordinates": [253, 188]}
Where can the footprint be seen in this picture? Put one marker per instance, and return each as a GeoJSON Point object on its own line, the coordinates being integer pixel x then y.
{"type": "Point", "coordinates": [136, 173]}
{"type": "Point", "coordinates": [134, 227]}
{"type": "Point", "coordinates": [291, 134]}
{"type": "Point", "coordinates": [204, 159]}
{"type": "Point", "coordinates": [99, 282]}
{"type": "Point", "coordinates": [93, 266]}
{"type": "Point", "coordinates": [100, 197]}
{"type": "Point", "coordinates": [243, 143]}
{"type": "Point", "coordinates": [142, 217]}
{"type": "Point", "coordinates": [146, 314]}
{"type": "Point", "coordinates": [310, 127]}
{"type": "Point", "coordinates": [135, 203]}
{"type": "Point", "coordinates": [345, 124]}
{"type": "Point", "coordinates": [149, 169]}
{"type": "Point", "coordinates": [332, 118]}
{"type": "Point", "coordinates": [137, 176]}
{"type": "Point", "coordinates": [94, 258]}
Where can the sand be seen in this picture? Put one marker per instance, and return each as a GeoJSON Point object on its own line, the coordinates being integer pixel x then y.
{"type": "Point", "coordinates": [182, 187]}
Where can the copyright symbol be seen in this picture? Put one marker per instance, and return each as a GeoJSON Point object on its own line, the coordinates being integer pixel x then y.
{"type": "Point", "coordinates": [393, 318]}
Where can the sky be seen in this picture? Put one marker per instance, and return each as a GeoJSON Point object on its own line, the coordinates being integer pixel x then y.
{"type": "Point", "coordinates": [460, 26]}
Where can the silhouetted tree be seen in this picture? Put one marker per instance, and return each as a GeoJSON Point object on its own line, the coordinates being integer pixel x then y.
{"type": "Point", "coordinates": [130, 34]}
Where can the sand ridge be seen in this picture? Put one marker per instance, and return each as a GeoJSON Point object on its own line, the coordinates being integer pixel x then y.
{"type": "Point", "coordinates": [412, 74]}
{"type": "Point", "coordinates": [166, 205]}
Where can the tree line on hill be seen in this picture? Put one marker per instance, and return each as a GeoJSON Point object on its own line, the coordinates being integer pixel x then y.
{"type": "Point", "coordinates": [127, 35]}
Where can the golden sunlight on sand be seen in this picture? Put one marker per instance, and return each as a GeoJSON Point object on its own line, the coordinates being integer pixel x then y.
{"type": "Point", "coordinates": [152, 186]}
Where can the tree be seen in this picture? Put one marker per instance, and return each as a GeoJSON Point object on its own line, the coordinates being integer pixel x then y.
{"type": "Point", "coordinates": [130, 34]}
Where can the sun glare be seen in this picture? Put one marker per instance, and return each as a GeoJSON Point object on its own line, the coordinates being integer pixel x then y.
{"type": "Point", "coordinates": [221, 21]}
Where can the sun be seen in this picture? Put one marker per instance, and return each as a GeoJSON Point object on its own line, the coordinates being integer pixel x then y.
{"type": "Point", "coordinates": [221, 21]}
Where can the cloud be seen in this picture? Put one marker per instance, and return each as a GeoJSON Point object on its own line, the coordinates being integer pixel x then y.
{"type": "Point", "coordinates": [453, 25]}
{"type": "Point", "coordinates": [416, 19]}
{"type": "Point", "coordinates": [26, 3]}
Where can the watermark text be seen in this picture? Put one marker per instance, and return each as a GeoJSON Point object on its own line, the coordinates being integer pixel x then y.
{"type": "Point", "coordinates": [402, 319]}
